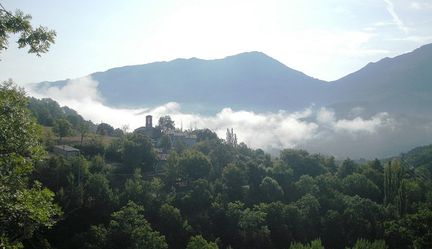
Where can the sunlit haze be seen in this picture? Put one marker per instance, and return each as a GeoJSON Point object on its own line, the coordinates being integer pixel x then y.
{"type": "Point", "coordinates": [324, 39]}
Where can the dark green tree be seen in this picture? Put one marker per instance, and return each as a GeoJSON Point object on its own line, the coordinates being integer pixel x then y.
{"type": "Point", "coordinates": [173, 226]}
{"type": "Point", "coordinates": [127, 229]}
{"type": "Point", "coordinates": [25, 206]}
{"type": "Point", "coordinates": [63, 128]}
{"type": "Point", "coordinates": [358, 184]}
{"type": "Point", "coordinates": [138, 152]}
{"type": "Point", "coordinates": [315, 244]}
{"type": "Point", "coordinates": [198, 242]}
{"type": "Point", "coordinates": [302, 162]}
{"type": "Point", "coordinates": [347, 167]}
{"type": "Point", "coordinates": [254, 232]}
{"type": "Point", "coordinates": [365, 244]}
{"type": "Point", "coordinates": [105, 129]}
{"type": "Point", "coordinates": [234, 179]}
{"type": "Point", "coordinates": [194, 165]}
{"type": "Point", "coordinates": [165, 143]}
{"type": "Point", "coordinates": [83, 129]}
{"type": "Point", "coordinates": [270, 190]}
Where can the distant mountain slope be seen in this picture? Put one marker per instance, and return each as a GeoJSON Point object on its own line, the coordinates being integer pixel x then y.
{"type": "Point", "coordinates": [250, 80]}
{"type": "Point", "coordinates": [255, 81]}
{"type": "Point", "coordinates": [398, 89]}
{"type": "Point", "coordinates": [402, 84]}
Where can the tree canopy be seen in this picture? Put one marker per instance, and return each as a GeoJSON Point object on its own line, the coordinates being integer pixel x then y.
{"type": "Point", "coordinates": [38, 40]}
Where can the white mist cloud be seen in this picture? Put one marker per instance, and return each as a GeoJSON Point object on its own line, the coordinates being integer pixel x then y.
{"type": "Point", "coordinates": [396, 19]}
{"type": "Point", "coordinates": [356, 125]}
{"type": "Point", "coordinates": [269, 131]}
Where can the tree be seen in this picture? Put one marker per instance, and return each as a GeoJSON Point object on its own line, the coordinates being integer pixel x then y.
{"type": "Point", "coordinates": [165, 143]}
{"type": "Point", "coordinates": [395, 187]}
{"type": "Point", "coordinates": [362, 219]}
{"type": "Point", "coordinates": [37, 39]}
{"type": "Point", "coordinates": [270, 190]}
{"type": "Point", "coordinates": [231, 137]}
{"type": "Point", "coordinates": [127, 229]}
{"type": "Point", "coordinates": [309, 208]}
{"type": "Point", "coordinates": [194, 165]}
{"type": "Point", "coordinates": [315, 244]}
{"type": "Point", "coordinates": [25, 206]}
{"type": "Point", "coordinates": [198, 242]}
{"type": "Point", "coordinates": [138, 152]}
{"type": "Point", "coordinates": [63, 128]}
{"type": "Point", "coordinates": [83, 129]}
{"type": "Point", "coordinates": [347, 167]}
{"type": "Point", "coordinates": [302, 162]}
{"type": "Point", "coordinates": [283, 222]}
{"type": "Point", "coordinates": [358, 184]}
{"type": "Point", "coordinates": [173, 226]}
{"type": "Point", "coordinates": [105, 129]}
{"type": "Point", "coordinates": [234, 179]}
{"type": "Point", "coordinates": [205, 134]}
{"type": "Point", "coordinates": [254, 232]}
{"type": "Point", "coordinates": [410, 231]}
{"type": "Point", "coordinates": [306, 185]}
{"type": "Point", "coordinates": [365, 244]}
{"type": "Point", "coordinates": [166, 123]}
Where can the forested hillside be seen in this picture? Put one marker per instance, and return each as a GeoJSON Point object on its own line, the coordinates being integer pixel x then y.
{"type": "Point", "coordinates": [120, 193]}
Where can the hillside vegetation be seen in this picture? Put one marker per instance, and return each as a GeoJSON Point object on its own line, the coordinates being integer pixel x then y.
{"type": "Point", "coordinates": [215, 194]}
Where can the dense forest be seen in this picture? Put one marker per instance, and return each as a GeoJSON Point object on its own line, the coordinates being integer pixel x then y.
{"type": "Point", "coordinates": [118, 193]}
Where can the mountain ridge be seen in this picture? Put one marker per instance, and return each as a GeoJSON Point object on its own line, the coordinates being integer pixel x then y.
{"type": "Point", "coordinates": [396, 91]}
{"type": "Point", "coordinates": [254, 80]}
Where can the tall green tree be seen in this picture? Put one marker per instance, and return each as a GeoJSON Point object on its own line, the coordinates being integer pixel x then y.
{"type": "Point", "coordinates": [138, 152]}
{"type": "Point", "coordinates": [194, 165]}
{"type": "Point", "coordinates": [166, 123]}
{"type": "Point", "coordinates": [25, 206]}
{"type": "Point", "coordinates": [63, 128]}
{"type": "Point", "coordinates": [127, 229]}
{"type": "Point", "coordinates": [395, 187]}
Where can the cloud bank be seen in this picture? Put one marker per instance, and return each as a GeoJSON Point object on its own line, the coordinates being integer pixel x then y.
{"type": "Point", "coordinates": [270, 131]}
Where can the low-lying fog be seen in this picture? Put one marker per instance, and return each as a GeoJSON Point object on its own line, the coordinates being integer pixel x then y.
{"type": "Point", "coordinates": [314, 128]}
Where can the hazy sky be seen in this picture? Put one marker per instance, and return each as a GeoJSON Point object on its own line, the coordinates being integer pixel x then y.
{"type": "Point", "coordinates": [326, 39]}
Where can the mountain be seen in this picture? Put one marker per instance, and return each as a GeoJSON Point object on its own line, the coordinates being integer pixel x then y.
{"type": "Point", "coordinates": [250, 80]}
{"type": "Point", "coordinates": [255, 81]}
{"type": "Point", "coordinates": [402, 84]}
{"type": "Point", "coordinates": [380, 110]}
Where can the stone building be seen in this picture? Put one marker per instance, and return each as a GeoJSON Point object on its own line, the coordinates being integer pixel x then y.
{"type": "Point", "coordinates": [66, 151]}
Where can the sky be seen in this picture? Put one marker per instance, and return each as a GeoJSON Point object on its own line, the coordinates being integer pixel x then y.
{"type": "Point", "coordinates": [326, 39]}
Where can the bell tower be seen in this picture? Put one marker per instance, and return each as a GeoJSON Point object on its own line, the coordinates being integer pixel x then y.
{"type": "Point", "coordinates": [149, 121]}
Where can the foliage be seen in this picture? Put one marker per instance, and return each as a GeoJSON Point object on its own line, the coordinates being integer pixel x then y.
{"type": "Point", "coordinates": [166, 123]}
{"type": "Point", "coordinates": [198, 242]}
{"type": "Point", "coordinates": [127, 229]}
{"type": "Point", "coordinates": [25, 206]}
{"type": "Point", "coordinates": [105, 129]}
{"type": "Point", "coordinates": [37, 39]}
{"type": "Point", "coordinates": [138, 153]}
{"type": "Point", "coordinates": [62, 127]}
{"type": "Point", "coordinates": [315, 244]}
{"type": "Point", "coordinates": [364, 244]}
{"type": "Point", "coordinates": [394, 186]}
{"type": "Point", "coordinates": [194, 165]}
{"type": "Point", "coordinates": [236, 196]}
